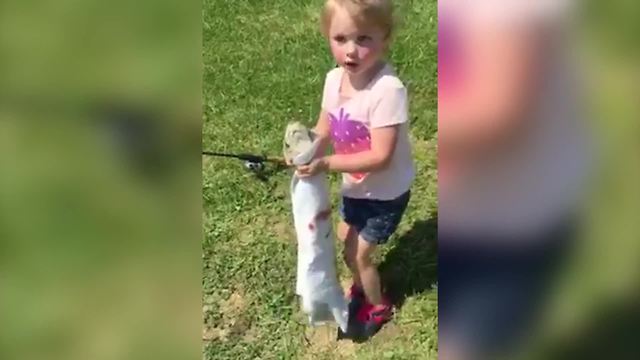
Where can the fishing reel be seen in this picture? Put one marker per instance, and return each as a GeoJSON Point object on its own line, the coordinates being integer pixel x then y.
{"type": "Point", "coordinates": [254, 166]}
{"type": "Point", "coordinates": [252, 163]}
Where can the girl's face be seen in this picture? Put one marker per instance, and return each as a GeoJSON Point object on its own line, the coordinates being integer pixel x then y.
{"type": "Point", "coordinates": [354, 47]}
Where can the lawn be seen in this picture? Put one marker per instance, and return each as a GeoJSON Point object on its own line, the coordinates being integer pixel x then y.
{"type": "Point", "coordinates": [264, 65]}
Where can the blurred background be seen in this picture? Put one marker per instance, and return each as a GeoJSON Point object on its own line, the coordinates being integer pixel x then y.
{"type": "Point", "coordinates": [100, 189]}
{"type": "Point", "coordinates": [538, 172]}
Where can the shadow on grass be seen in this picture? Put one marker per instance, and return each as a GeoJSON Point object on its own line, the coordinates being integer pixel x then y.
{"type": "Point", "coordinates": [410, 268]}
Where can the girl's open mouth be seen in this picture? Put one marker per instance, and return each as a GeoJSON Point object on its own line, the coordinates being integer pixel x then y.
{"type": "Point", "coordinates": [351, 65]}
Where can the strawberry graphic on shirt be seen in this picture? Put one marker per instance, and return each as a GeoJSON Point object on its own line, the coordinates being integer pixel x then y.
{"type": "Point", "coordinates": [349, 137]}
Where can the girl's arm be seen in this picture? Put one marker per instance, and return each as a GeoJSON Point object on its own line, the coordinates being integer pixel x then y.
{"type": "Point", "coordinates": [383, 143]}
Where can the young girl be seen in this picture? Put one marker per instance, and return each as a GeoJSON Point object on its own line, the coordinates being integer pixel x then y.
{"type": "Point", "coordinates": [364, 115]}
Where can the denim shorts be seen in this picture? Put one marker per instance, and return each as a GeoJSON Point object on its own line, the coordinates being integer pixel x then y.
{"type": "Point", "coordinates": [374, 220]}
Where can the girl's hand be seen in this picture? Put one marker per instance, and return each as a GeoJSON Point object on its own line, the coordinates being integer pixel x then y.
{"type": "Point", "coordinates": [314, 167]}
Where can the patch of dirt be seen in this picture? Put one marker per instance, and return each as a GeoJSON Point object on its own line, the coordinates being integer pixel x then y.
{"type": "Point", "coordinates": [390, 332]}
{"type": "Point", "coordinates": [323, 344]}
{"type": "Point", "coordinates": [251, 335]}
{"type": "Point", "coordinates": [234, 321]}
{"type": "Point", "coordinates": [281, 192]}
{"type": "Point", "coordinates": [232, 311]}
{"type": "Point", "coordinates": [284, 230]}
{"type": "Point", "coordinates": [245, 235]}
{"type": "Point", "coordinates": [213, 333]}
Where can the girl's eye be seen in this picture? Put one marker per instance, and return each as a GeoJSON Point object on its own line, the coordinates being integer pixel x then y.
{"type": "Point", "coordinates": [363, 38]}
{"type": "Point", "coordinates": [339, 38]}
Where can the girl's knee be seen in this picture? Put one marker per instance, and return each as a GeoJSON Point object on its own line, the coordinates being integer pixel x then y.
{"type": "Point", "coordinates": [362, 260]}
{"type": "Point", "coordinates": [363, 254]}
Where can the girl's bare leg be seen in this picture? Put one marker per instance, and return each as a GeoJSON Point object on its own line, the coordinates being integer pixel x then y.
{"type": "Point", "coordinates": [367, 271]}
{"type": "Point", "coordinates": [349, 237]}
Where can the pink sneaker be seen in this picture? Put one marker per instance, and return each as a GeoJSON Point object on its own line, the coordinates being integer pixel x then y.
{"type": "Point", "coordinates": [373, 317]}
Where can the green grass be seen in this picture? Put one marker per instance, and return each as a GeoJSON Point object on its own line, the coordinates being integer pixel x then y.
{"type": "Point", "coordinates": [264, 65]}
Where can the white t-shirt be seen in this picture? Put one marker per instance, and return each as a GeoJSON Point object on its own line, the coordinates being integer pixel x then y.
{"type": "Point", "coordinates": [383, 102]}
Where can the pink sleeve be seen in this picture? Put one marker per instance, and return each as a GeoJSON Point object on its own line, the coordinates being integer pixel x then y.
{"type": "Point", "coordinates": [391, 108]}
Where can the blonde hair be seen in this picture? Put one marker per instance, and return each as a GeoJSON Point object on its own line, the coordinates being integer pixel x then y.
{"type": "Point", "coordinates": [364, 12]}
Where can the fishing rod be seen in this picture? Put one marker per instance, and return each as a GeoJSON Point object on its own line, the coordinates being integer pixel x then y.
{"type": "Point", "coordinates": [251, 161]}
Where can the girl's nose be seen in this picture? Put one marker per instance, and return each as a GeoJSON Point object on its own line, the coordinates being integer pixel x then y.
{"type": "Point", "coordinates": [351, 48]}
